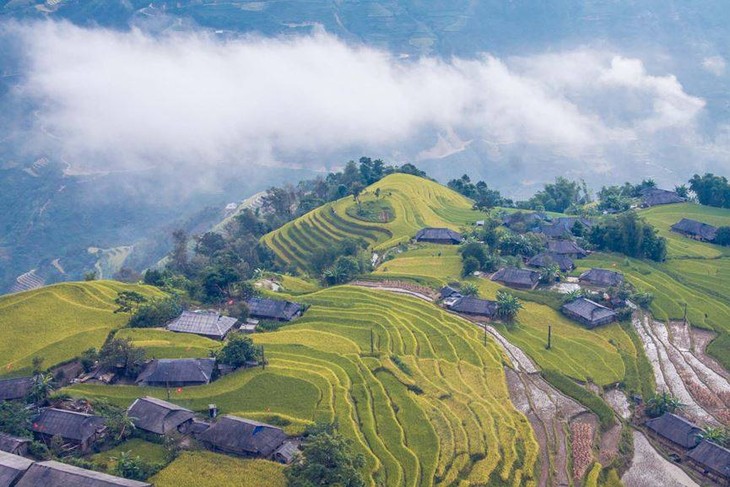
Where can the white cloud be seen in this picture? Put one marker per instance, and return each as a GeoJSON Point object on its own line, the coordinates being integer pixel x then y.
{"type": "Point", "coordinates": [715, 65]}
{"type": "Point", "coordinates": [125, 98]}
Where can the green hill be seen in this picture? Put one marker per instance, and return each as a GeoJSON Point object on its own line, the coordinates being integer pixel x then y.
{"type": "Point", "coordinates": [58, 322]}
{"type": "Point", "coordinates": [415, 203]}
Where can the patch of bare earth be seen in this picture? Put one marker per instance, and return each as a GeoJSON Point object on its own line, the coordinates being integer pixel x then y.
{"type": "Point", "coordinates": [650, 469]}
{"type": "Point", "coordinates": [618, 402]}
{"type": "Point", "coordinates": [581, 434]}
{"type": "Point", "coordinates": [700, 340]}
{"type": "Point", "coordinates": [608, 449]}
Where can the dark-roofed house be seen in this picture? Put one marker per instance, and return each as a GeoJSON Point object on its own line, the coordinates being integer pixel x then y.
{"type": "Point", "coordinates": [11, 389]}
{"type": "Point", "coordinates": [514, 277]}
{"type": "Point", "coordinates": [655, 196]}
{"type": "Point", "coordinates": [712, 460]}
{"type": "Point", "coordinates": [78, 429]}
{"type": "Point", "coordinates": [544, 259]}
{"type": "Point", "coordinates": [12, 467]}
{"type": "Point", "coordinates": [448, 291]}
{"type": "Point", "coordinates": [695, 229]}
{"type": "Point", "coordinates": [177, 372]}
{"type": "Point", "coordinates": [469, 305]}
{"type": "Point", "coordinates": [566, 247]}
{"type": "Point", "coordinates": [160, 417]}
{"type": "Point", "coordinates": [554, 230]}
{"type": "Point", "coordinates": [443, 236]}
{"type": "Point", "coordinates": [588, 312]}
{"type": "Point", "coordinates": [675, 430]}
{"type": "Point", "coordinates": [244, 437]}
{"type": "Point", "coordinates": [206, 323]}
{"type": "Point", "coordinates": [57, 474]}
{"type": "Point", "coordinates": [602, 278]}
{"type": "Point", "coordinates": [530, 220]}
{"type": "Point", "coordinates": [272, 309]}
{"type": "Point", "coordinates": [13, 444]}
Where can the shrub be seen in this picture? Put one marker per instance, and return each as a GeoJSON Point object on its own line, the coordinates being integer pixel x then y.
{"type": "Point", "coordinates": [401, 365]}
{"type": "Point", "coordinates": [156, 313]}
{"type": "Point", "coordinates": [39, 451]}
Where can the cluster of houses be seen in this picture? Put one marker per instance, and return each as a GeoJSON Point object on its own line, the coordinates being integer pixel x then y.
{"type": "Point", "coordinates": [685, 439]}
{"type": "Point", "coordinates": [79, 431]}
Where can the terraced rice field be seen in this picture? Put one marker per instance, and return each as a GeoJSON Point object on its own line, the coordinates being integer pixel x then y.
{"type": "Point", "coordinates": [58, 322]}
{"type": "Point", "coordinates": [164, 344]}
{"type": "Point", "coordinates": [205, 469]}
{"type": "Point", "coordinates": [417, 203]}
{"type": "Point", "coordinates": [441, 417]}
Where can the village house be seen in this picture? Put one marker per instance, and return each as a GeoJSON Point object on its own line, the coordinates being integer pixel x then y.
{"type": "Point", "coordinates": [77, 430]}
{"type": "Point", "coordinates": [13, 444]}
{"type": "Point", "coordinates": [695, 229]}
{"type": "Point", "coordinates": [469, 305]}
{"type": "Point", "coordinates": [529, 220]}
{"type": "Point", "coordinates": [272, 309]}
{"type": "Point", "coordinates": [589, 313]}
{"type": "Point", "coordinates": [243, 437]}
{"type": "Point", "coordinates": [12, 467]}
{"type": "Point", "coordinates": [443, 236]}
{"type": "Point", "coordinates": [208, 323]}
{"type": "Point", "coordinates": [12, 389]}
{"type": "Point", "coordinates": [602, 278]}
{"type": "Point", "coordinates": [177, 372]}
{"type": "Point", "coordinates": [448, 295]}
{"type": "Point", "coordinates": [545, 259]}
{"type": "Point", "coordinates": [57, 474]}
{"type": "Point", "coordinates": [563, 227]}
{"type": "Point", "coordinates": [655, 196]}
{"type": "Point", "coordinates": [566, 247]}
{"type": "Point", "coordinates": [519, 278]}
{"type": "Point", "coordinates": [160, 417]}
{"type": "Point", "coordinates": [712, 460]}
{"type": "Point", "coordinates": [674, 431]}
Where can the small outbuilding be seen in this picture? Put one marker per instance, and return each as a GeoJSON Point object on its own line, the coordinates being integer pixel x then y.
{"type": "Point", "coordinates": [566, 247]}
{"type": "Point", "coordinates": [13, 444]}
{"type": "Point", "coordinates": [207, 323]}
{"type": "Point", "coordinates": [245, 437]}
{"type": "Point", "coordinates": [443, 236]}
{"type": "Point", "coordinates": [469, 305]}
{"type": "Point", "coordinates": [160, 417]}
{"type": "Point", "coordinates": [12, 467]}
{"type": "Point", "coordinates": [589, 313]}
{"type": "Point", "coordinates": [712, 460]}
{"type": "Point", "coordinates": [12, 389]}
{"type": "Point", "coordinates": [545, 259]}
{"type": "Point", "coordinates": [602, 278]}
{"type": "Point", "coordinates": [286, 453]}
{"type": "Point", "coordinates": [273, 309]}
{"type": "Point", "coordinates": [519, 278]}
{"type": "Point", "coordinates": [79, 430]}
{"type": "Point", "coordinates": [655, 196]}
{"type": "Point", "coordinates": [57, 474]}
{"type": "Point", "coordinates": [177, 372]}
{"type": "Point", "coordinates": [695, 229]}
{"type": "Point", "coordinates": [675, 430]}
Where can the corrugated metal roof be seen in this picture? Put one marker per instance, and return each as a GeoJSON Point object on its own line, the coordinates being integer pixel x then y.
{"type": "Point", "coordinates": [207, 323]}
{"type": "Point", "coordinates": [177, 371]}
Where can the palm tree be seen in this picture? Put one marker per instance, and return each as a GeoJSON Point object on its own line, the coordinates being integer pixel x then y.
{"type": "Point", "coordinates": [121, 423]}
{"type": "Point", "coordinates": [550, 273]}
{"type": "Point", "coordinates": [661, 403]}
{"type": "Point", "coordinates": [572, 295]}
{"type": "Point", "coordinates": [41, 388]}
{"type": "Point", "coordinates": [721, 436]}
{"type": "Point", "coordinates": [507, 305]}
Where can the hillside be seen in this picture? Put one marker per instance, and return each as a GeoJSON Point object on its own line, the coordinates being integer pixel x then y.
{"type": "Point", "coordinates": [415, 203]}
{"type": "Point", "coordinates": [58, 322]}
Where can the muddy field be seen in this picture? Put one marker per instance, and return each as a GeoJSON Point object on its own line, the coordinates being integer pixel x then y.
{"type": "Point", "coordinates": [649, 469]}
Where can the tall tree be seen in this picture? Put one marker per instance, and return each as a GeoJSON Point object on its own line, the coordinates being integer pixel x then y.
{"type": "Point", "coordinates": [328, 458]}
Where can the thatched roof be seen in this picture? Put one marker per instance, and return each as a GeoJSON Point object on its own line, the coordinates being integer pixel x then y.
{"type": "Point", "coordinates": [544, 259]}
{"type": "Point", "coordinates": [565, 247]}
{"type": "Point", "coordinates": [589, 311]}
{"type": "Point", "coordinates": [158, 416]}
{"type": "Point", "coordinates": [713, 457]}
{"type": "Point", "coordinates": [272, 309]}
{"type": "Point", "coordinates": [15, 388]}
{"type": "Point", "coordinates": [513, 276]}
{"type": "Point", "coordinates": [206, 323]}
{"type": "Point", "coordinates": [243, 436]}
{"type": "Point", "coordinates": [10, 444]}
{"type": "Point", "coordinates": [70, 425]}
{"type": "Point", "coordinates": [12, 467]}
{"type": "Point", "coordinates": [475, 306]}
{"type": "Point", "coordinates": [57, 474]}
{"type": "Point", "coordinates": [438, 235]}
{"type": "Point", "coordinates": [656, 196]}
{"type": "Point", "coordinates": [177, 371]}
{"type": "Point", "coordinates": [696, 229]}
{"type": "Point", "coordinates": [602, 277]}
{"type": "Point", "coordinates": [675, 429]}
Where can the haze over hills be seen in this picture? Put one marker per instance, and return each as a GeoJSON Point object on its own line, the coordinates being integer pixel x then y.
{"type": "Point", "coordinates": [198, 97]}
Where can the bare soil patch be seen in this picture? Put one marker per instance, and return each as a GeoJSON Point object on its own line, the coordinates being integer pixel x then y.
{"type": "Point", "coordinates": [618, 402]}
{"type": "Point", "coordinates": [650, 469]}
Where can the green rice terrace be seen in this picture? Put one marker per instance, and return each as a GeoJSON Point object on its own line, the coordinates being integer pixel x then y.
{"type": "Point", "coordinates": [415, 202]}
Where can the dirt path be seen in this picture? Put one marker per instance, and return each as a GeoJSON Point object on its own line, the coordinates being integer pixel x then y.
{"type": "Point", "coordinates": [693, 383]}
{"type": "Point", "coordinates": [519, 358]}
{"type": "Point", "coordinates": [649, 469]}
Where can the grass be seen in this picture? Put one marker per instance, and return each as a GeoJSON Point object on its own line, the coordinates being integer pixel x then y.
{"type": "Point", "coordinates": [415, 203]}
{"type": "Point", "coordinates": [58, 322]}
{"type": "Point", "coordinates": [375, 211]}
{"type": "Point", "coordinates": [582, 395]}
{"type": "Point", "coordinates": [164, 344]}
{"type": "Point", "coordinates": [147, 451]}
{"type": "Point", "coordinates": [206, 469]}
{"type": "Point", "coordinates": [448, 419]}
